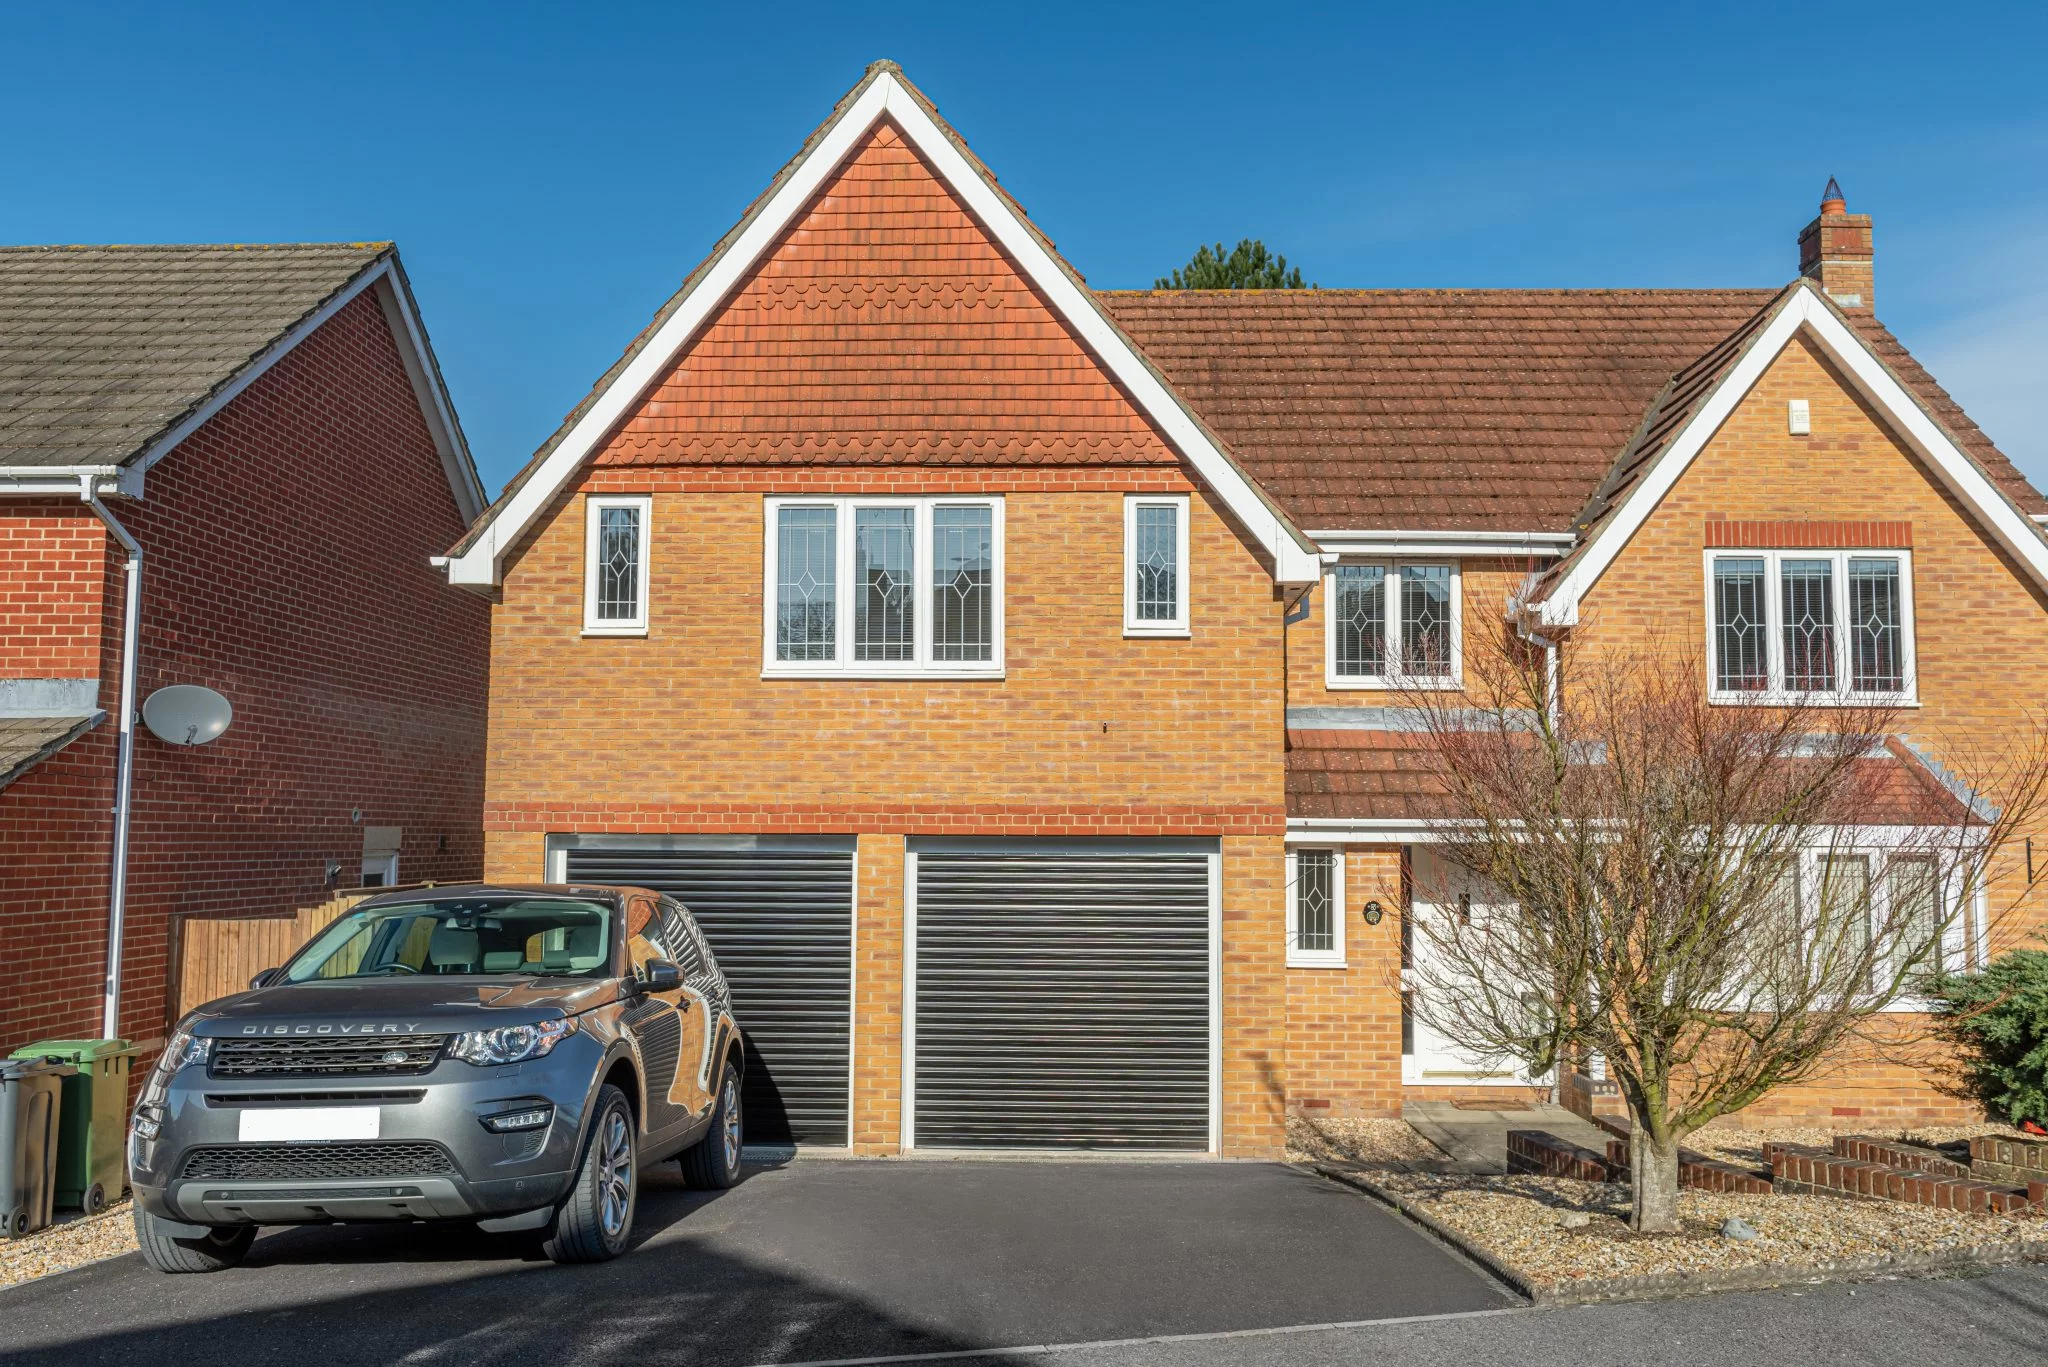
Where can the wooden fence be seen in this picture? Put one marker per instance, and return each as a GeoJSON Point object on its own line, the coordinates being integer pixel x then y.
{"type": "Point", "coordinates": [218, 957]}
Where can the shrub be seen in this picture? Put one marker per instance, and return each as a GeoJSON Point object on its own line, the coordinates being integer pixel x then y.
{"type": "Point", "coordinates": [1999, 1019]}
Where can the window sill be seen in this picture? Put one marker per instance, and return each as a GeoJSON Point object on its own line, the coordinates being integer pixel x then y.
{"type": "Point", "coordinates": [615, 631]}
{"type": "Point", "coordinates": [1142, 633]}
{"type": "Point", "coordinates": [1721, 699]}
{"type": "Point", "coordinates": [1294, 962]}
{"type": "Point", "coordinates": [896, 675]}
{"type": "Point", "coordinates": [1386, 685]}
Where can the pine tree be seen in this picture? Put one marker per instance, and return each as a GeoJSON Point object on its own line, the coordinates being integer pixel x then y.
{"type": "Point", "coordinates": [1249, 266]}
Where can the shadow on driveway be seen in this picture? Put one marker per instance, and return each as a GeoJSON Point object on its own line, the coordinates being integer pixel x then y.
{"type": "Point", "coordinates": [817, 1260]}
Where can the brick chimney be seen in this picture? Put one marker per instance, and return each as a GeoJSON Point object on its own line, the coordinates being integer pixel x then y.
{"type": "Point", "coordinates": [1834, 252]}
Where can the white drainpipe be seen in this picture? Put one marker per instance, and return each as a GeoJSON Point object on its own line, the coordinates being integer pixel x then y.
{"type": "Point", "coordinates": [124, 756]}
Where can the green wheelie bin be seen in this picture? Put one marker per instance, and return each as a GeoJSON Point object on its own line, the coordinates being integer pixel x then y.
{"type": "Point", "coordinates": [92, 1168]}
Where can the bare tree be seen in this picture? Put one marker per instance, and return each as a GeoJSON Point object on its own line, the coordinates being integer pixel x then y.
{"type": "Point", "coordinates": [1713, 898]}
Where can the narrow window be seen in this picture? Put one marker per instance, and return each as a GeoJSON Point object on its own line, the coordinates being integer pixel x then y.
{"type": "Point", "coordinates": [806, 583]}
{"type": "Point", "coordinates": [1426, 621]}
{"type": "Point", "coordinates": [1155, 566]}
{"type": "Point", "coordinates": [1876, 627]}
{"type": "Point", "coordinates": [1740, 664]}
{"type": "Point", "coordinates": [1844, 910]}
{"type": "Point", "coordinates": [1315, 911]}
{"type": "Point", "coordinates": [1358, 613]}
{"type": "Point", "coordinates": [615, 566]}
{"type": "Point", "coordinates": [963, 582]}
{"type": "Point", "coordinates": [1807, 595]}
{"type": "Point", "coordinates": [1915, 915]}
{"type": "Point", "coordinates": [885, 606]}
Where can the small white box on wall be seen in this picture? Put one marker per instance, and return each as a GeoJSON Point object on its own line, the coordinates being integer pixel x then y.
{"type": "Point", "coordinates": [1799, 417]}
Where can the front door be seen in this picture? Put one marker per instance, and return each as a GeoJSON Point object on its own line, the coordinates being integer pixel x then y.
{"type": "Point", "coordinates": [1440, 889]}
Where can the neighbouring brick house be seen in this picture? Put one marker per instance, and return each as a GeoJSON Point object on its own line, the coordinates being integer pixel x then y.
{"type": "Point", "coordinates": [269, 426]}
{"type": "Point", "coordinates": [958, 641]}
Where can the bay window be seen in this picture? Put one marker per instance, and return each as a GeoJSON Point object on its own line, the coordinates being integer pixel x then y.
{"type": "Point", "coordinates": [866, 587]}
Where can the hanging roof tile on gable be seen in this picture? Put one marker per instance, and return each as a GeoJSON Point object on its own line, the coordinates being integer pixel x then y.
{"type": "Point", "coordinates": [105, 349]}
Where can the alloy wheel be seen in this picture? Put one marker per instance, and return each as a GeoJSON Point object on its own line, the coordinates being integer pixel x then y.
{"type": "Point", "coordinates": [731, 1104]}
{"type": "Point", "coordinates": [615, 1175]}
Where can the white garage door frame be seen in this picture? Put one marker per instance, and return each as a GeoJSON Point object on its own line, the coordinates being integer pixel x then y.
{"type": "Point", "coordinates": [914, 845]}
{"type": "Point", "coordinates": [556, 870]}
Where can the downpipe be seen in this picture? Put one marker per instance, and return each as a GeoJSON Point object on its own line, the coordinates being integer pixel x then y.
{"type": "Point", "coordinates": [124, 755]}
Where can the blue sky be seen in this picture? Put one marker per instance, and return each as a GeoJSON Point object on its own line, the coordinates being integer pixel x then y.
{"type": "Point", "coordinates": [551, 172]}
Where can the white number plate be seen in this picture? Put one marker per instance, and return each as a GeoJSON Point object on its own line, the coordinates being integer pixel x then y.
{"type": "Point", "coordinates": [309, 1122]}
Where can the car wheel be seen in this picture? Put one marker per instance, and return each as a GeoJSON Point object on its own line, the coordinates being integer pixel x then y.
{"type": "Point", "coordinates": [593, 1223]}
{"type": "Point", "coordinates": [221, 1247]}
{"type": "Point", "coordinates": [713, 1162]}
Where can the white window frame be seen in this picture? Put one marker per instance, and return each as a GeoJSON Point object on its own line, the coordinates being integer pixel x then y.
{"type": "Point", "coordinates": [593, 506]}
{"type": "Point", "coordinates": [1177, 625]}
{"type": "Point", "coordinates": [385, 866]}
{"type": "Point", "coordinates": [1333, 957]}
{"type": "Point", "coordinates": [1776, 694]}
{"type": "Point", "coordinates": [1393, 566]}
{"type": "Point", "coordinates": [844, 665]}
{"type": "Point", "coordinates": [1962, 936]}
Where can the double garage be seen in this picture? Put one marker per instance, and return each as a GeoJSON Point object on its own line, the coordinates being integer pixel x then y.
{"type": "Point", "coordinates": [1056, 994]}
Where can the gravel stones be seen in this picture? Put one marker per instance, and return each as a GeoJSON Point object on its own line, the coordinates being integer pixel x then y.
{"type": "Point", "coordinates": [76, 1242]}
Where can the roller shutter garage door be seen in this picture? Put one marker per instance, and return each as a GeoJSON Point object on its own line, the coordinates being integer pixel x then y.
{"type": "Point", "coordinates": [1062, 999]}
{"type": "Point", "coordinates": [781, 924]}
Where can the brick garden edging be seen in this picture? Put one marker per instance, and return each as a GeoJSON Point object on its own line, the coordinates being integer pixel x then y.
{"type": "Point", "coordinates": [1664, 1285]}
{"type": "Point", "coordinates": [2017, 1161]}
{"type": "Point", "coordinates": [1543, 1153]}
{"type": "Point", "coordinates": [1797, 1168]}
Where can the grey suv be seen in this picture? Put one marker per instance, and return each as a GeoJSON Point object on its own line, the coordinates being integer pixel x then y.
{"type": "Point", "coordinates": [505, 1055]}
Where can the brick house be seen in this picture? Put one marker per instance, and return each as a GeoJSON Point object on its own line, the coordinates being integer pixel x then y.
{"type": "Point", "coordinates": [959, 641]}
{"type": "Point", "coordinates": [269, 427]}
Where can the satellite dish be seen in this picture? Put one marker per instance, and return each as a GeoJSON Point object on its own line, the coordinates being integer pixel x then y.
{"type": "Point", "coordinates": [186, 714]}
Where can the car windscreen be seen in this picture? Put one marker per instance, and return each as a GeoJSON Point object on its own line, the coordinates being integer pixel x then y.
{"type": "Point", "coordinates": [537, 936]}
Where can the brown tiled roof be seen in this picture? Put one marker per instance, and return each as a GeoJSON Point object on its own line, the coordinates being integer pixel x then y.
{"type": "Point", "coordinates": [1510, 410]}
{"type": "Point", "coordinates": [1455, 409]}
{"type": "Point", "coordinates": [1390, 775]}
{"type": "Point", "coordinates": [104, 349]}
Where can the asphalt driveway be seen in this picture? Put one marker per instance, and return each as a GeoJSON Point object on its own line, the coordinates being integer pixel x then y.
{"type": "Point", "coordinates": [814, 1260]}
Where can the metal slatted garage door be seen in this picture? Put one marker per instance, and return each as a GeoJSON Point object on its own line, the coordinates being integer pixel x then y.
{"type": "Point", "coordinates": [781, 923]}
{"type": "Point", "coordinates": [1063, 999]}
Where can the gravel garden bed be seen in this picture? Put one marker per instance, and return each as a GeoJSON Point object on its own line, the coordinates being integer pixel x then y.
{"type": "Point", "coordinates": [1563, 1240]}
{"type": "Point", "coordinates": [74, 1243]}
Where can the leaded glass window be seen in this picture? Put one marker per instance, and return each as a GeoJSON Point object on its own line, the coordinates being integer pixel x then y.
{"type": "Point", "coordinates": [806, 583]}
{"type": "Point", "coordinates": [1807, 608]}
{"type": "Point", "coordinates": [1156, 546]}
{"type": "Point", "coordinates": [963, 582]}
{"type": "Point", "coordinates": [618, 563]}
{"type": "Point", "coordinates": [1915, 915]}
{"type": "Point", "coordinates": [1740, 660]}
{"type": "Point", "coordinates": [1876, 627]}
{"type": "Point", "coordinates": [1315, 901]}
{"type": "Point", "coordinates": [885, 603]}
{"type": "Point", "coordinates": [1359, 614]}
{"type": "Point", "coordinates": [1426, 621]}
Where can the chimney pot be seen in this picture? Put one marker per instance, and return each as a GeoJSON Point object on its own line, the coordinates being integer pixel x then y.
{"type": "Point", "coordinates": [1835, 252]}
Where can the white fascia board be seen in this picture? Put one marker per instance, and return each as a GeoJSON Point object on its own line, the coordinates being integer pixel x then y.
{"type": "Point", "coordinates": [402, 315]}
{"type": "Point", "coordinates": [1406, 542]}
{"type": "Point", "coordinates": [1802, 310]}
{"type": "Point", "coordinates": [1294, 562]}
{"type": "Point", "coordinates": [63, 481]}
{"type": "Point", "coordinates": [1311, 830]}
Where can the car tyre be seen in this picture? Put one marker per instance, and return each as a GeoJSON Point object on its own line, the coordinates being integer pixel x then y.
{"type": "Point", "coordinates": [221, 1247]}
{"type": "Point", "coordinates": [596, 1218]}
{"type": "Point", "coordinates": [713, 1162]}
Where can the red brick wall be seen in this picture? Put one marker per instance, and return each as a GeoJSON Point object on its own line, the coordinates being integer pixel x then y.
{"type": "Point", "coordinates": [286, 565]}
{"type": "Point", "coordinates": [52, 580]}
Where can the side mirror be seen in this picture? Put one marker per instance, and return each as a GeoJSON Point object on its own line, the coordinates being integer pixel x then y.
{"type": "Point", "coordinates": [659, 975]}
{"type": "Point", "coordinates": [262, 979]}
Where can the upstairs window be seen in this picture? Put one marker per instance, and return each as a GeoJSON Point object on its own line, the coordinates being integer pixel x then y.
{"type": "Point", "coordinates": [1156, 565]}
{"type": "Point", "coordinates": [866, 587]}
{"type": "Point", "coordinates": [1392, 625]}
{"type": "Point", "coordinates": [1817, 626]}
{"type": "Point", "coordinates": [615, 565]}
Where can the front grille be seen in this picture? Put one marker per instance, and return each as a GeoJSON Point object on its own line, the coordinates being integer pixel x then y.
{"type": "Point", "coordinates": [393, 1096]}
{"type": "Point", "coordinates": [325, 1056]}
{"type": "Point", "coordinates": [315, 1162]}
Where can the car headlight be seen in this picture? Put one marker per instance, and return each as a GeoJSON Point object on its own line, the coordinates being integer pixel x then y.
{"type": "Point", "coordinates": [183, 1050]}
{"type": "Point", "coordinates": [510, 1043]}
